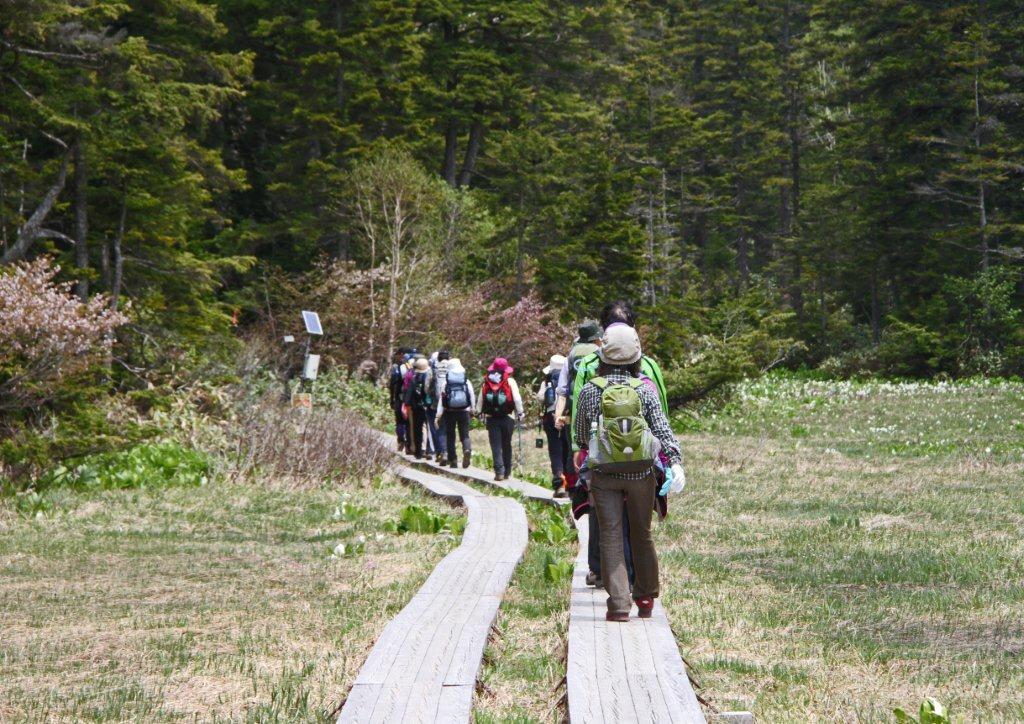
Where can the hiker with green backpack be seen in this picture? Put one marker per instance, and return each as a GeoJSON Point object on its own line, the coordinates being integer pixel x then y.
{"type": "Point", "coordinates": [619, 421]}
{"type": "Point", "coordinates": [618, 312]}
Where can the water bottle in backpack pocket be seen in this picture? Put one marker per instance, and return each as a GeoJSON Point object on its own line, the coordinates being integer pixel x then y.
{"type": "Point", "coordinates": [550, 392]}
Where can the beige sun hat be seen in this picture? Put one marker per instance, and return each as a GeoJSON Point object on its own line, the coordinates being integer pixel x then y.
{"type": "Point", "coordinates": [422, 364]}
{"type": "Point", "coordinates": [556, 362]}
{"type": "Point", "coordinates": [620, 345]}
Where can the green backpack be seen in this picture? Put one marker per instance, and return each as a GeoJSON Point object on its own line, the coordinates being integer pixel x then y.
{"type": "Point", "coordinates": [624, 443]}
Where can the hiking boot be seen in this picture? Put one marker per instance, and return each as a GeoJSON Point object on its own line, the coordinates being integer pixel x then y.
{"type": "Point", "coordinates": [645, 607]}
{"type": "Point", "coordinates": [498, 477]}
{"type": "Point", "coordinates": [440, 459]}
{"type": "Point", "coordinates": [617, 616]}
{"type": "Point", "coordinates": [465, 460]}
{"type": "Point", "coordinates": [401, 446]}
{"type": "Point", "coordinates": [453, 463]}
{"type": "Point", "coordinates": [591, 578]}
{"type": "Point", "coordinates": [561, 493]}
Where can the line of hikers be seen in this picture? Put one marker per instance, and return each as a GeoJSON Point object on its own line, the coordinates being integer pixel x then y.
{"type": "Point", "coordinates": [610, 445]}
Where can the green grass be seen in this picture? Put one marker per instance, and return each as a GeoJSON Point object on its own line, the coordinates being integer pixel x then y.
{"type": "Point", "coordinates": [842, 549]}
{"type": "Point", "coordinates": [846, 548]}
{"type": "Point", "coordinates": [525, 659]}
{"type": "Point", "coordinates": [220, 602]}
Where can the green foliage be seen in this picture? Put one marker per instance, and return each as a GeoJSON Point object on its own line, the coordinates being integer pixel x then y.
{"type": "Point", "coordinates": [552, 528]}
{"type": "Point", "coordinates": [931, 712]}
{"type": "Point", "coordinates": [419, 519]}
{"type": "Point", "coordinates": [146, 465]}
{"type": "Point", "coordinates": [555, 569]}
{"type": "Point", "coordinates": [338, 388]}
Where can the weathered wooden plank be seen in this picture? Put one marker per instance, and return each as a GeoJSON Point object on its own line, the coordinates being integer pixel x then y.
{"type": "Point", "coordinates": [622, 672]}
{"type": "Point", "coordinates": [484, 477]}
{"type": "Point", "coordinates": [424, 665]}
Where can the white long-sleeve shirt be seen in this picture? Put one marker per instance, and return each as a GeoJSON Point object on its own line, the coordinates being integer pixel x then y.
{"type": "Point", "coordinates": [516, 398]}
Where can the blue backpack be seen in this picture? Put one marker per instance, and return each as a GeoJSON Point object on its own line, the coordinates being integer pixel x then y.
{"type": "Point", "coordinates": [550, 392]}
{"type": "Point", "coordinates": [456, 393]}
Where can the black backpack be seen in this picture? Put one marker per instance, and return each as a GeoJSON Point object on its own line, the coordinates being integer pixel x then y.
{"type": "Point", "coordinates": [422, 395]}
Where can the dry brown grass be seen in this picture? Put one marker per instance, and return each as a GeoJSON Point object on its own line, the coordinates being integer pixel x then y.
{"type": "Point", "coordinates": [300, 447]}
{"type": "Point", "coordinates": [218, 602]}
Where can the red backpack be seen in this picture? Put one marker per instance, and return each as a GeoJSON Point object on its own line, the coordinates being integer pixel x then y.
{"type": "Point", "coordinates": [497, 397]}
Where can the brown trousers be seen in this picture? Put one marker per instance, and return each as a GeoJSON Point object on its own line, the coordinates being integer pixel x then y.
{"type": "Point", "coordinates": [610, 495]}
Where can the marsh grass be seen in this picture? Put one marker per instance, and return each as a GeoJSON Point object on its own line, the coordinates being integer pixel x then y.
{"type": "Point", "coordinates": [842, 549]}
{"type": "Point", "coordinates": [221, 602]}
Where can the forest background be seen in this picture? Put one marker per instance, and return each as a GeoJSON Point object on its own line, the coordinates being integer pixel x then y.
{"type": "Point", "coordinates": [830, 185]}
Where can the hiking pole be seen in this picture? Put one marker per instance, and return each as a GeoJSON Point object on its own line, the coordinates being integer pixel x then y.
{"type": "Point", "coordinates": [520, 427]}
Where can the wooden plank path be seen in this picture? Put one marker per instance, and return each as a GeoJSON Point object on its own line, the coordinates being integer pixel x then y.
{"type": "Point", "coordinates": [474, 474]}
{"type": "Point", "coordinates": [622, 672]}
{"type": "Point", "coordinates": [423, 668]}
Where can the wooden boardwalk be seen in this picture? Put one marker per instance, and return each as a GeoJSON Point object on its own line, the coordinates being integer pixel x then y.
{"type": "Point", "coordinates": [474, 474]}
{"type": "Point", "coordinates": [423, 667]}
{"type": "Point", "coordinates": [622, 672]}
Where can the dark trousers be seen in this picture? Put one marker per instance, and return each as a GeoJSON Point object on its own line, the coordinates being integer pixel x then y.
{"type": "Point", "coordinates": [594, 543]}
{"type": "Point", "coordinates": [559, 450]}
{"type": "Point", "coordinates": [401, 428]}
{"type": "Point", "coordinates": [611, 496]}
{"type": "Point", "coordinates": [419, 419]}
{"type": "Point", "coordinates": [450, 421]}
{"type": "Point", "coordinates": [499, 435]}
{"type": "Point", "coordinates": [436, 432]}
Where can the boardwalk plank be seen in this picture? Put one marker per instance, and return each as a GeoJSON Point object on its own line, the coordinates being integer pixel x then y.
{"type": "Point", "coordinates": [424, 665]}
{"type": "Point", "coordinates": [622, 672]}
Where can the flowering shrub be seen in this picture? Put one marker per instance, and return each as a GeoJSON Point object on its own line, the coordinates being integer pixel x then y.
{"type": "Point", "coordinates": [48, 333]}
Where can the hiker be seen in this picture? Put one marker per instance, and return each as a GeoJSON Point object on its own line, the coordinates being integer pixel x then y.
{"type": "Point", "coordinates": [455, 393]}
{"type": "Point", "coordinates": [399, 366]}
{"type": "Point", "coordinates": [497, 402]}
{"type": "Point", "coordinates": [618, 312]}
{"type": "Point", "coordinates": [559, 446]}
{"type": "Point", "coordinates": [418, 399]}
{"type": "Point", "coordinates": [588, 339]}
{"type": "Point", "coordinates": [439, 367]}
{"type": "Point", "coordinates": [621, 313]}
{"type": "Point", "coordinates": [619, 421]}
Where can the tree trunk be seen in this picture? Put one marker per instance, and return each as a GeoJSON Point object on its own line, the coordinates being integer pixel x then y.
{"type": "Point", "coordinates": [118, 257]}
{"type": "Point", "coordinates": [876, 307]}
{"type": "Point", "coordinates": [451, 140]}
{"type": "Point", "coordinates": [651, 266]}
{"type": "Point", "coordinates": [982, 210]}
{"type": "Point", "coordinates": [81, 219]}
{"type": "Point", "coordinates": [476, 138]}
{"type": "Point", "coordinates": [520, 256]}
{"type": "Point", "coordinates": [339, 82]}
{"type": "Point", "coordinates": [31, 229]}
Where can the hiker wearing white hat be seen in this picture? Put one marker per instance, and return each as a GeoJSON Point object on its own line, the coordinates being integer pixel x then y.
{"type": "Point", "coordinates": [559, 447]}
{"type": "Point", "coordinates": [619, 421]}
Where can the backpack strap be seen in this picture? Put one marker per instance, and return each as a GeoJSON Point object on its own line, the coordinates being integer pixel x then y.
{"type": "Point", "coordinates": [600, 383]}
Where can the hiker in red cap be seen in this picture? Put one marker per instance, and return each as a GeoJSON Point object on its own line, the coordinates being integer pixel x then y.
{"type": "Point", "coordinates": [501, 406]}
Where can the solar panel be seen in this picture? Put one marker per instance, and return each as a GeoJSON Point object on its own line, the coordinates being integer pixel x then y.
{"type": "Point", "coordinates": [312, 320]}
